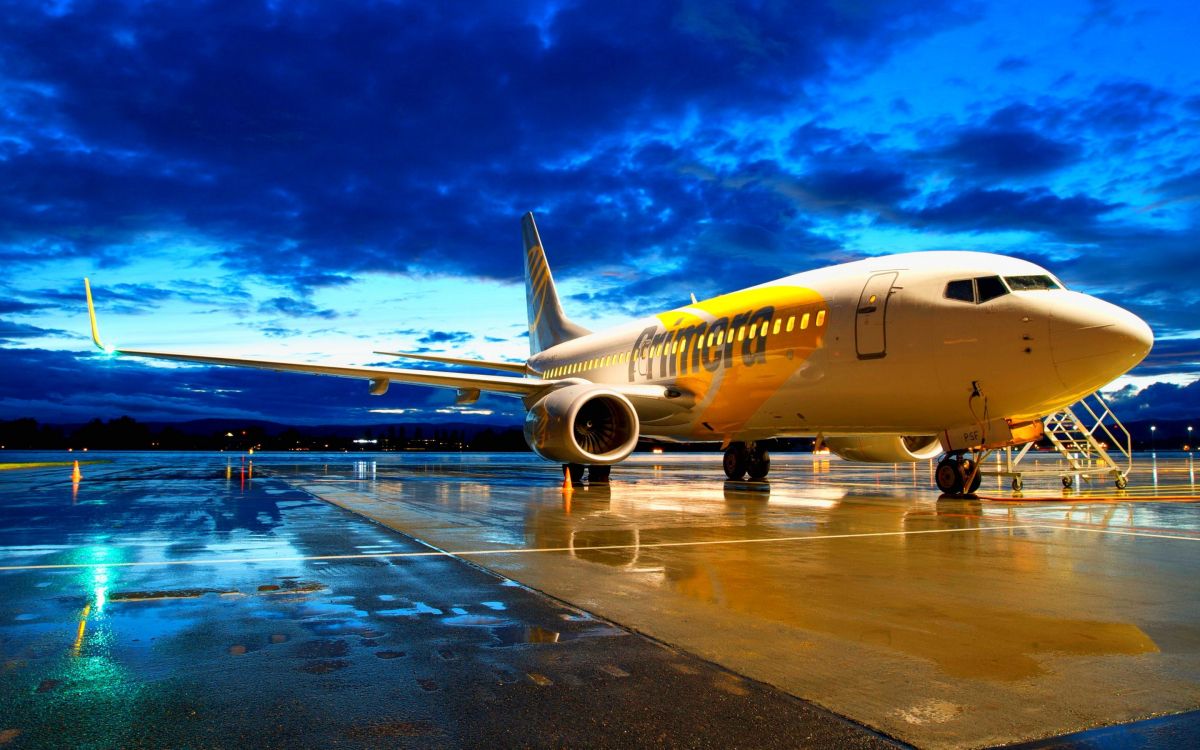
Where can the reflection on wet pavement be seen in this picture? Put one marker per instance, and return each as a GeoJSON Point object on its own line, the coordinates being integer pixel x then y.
{"type": "Point", "coordinates": [200, 601]}
{"type": "Point", "coordinates": [938, 621]}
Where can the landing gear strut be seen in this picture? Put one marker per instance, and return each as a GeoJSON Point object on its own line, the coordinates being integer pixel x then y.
{"type": "Point", "coordinates": [953, 474]}
{"type": "Point", "coordinates": [742, 458]}
{"type": "Point", "coordinates": [595, 474]}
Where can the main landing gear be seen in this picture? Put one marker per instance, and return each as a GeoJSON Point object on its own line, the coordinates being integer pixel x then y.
{"type": "Point", "coordinates": [957, 475]}
{"type": "Point", "coordinates": [746, 458]}
{"type": "Point", "coordinates": [595, 474]}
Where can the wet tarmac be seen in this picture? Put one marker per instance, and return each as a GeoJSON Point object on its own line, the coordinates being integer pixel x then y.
{"type": "Point", "coordinates": [180, 601]}
{"type": "Point", "coordinates": [200, 603]}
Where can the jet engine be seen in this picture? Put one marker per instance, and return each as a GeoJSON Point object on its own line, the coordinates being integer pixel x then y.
{"type": "Point", "coordinates": [888, 449]}
{"type": "Point", "coordinates": [582, 424]}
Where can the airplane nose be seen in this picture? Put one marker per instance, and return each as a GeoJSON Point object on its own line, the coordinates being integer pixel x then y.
{"type": "Point", "coordinates": [1092, 342]}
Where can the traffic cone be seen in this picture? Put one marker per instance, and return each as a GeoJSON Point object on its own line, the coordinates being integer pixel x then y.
{"type": "Point", "coordinates": [76, 474]}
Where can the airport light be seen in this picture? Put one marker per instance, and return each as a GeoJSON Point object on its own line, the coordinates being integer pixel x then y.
{"type": "Point", "coordinates": [1153, 428]}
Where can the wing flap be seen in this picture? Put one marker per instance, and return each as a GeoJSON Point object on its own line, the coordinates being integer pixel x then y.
{"type": "Point", "coordinates": [487, 364]}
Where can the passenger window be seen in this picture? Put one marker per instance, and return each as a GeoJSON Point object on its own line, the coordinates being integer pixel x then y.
{"type": "Point", "coordinates": [764, 327]}
{"type": "Point", "coordinates": [820, 318]}
{"type": "Point", "coordinates": [989, 288]}
{"type": "Point", "coordinates": [742, 333]}
{"type": "Point", "coordinates": [775, 328]}
{"type": "Point", "coordinates": [961, 289]}
{"type": "Point", "coordinates": [804, 321]}
{"type": "Point", "coordinates": [711, 337]}
{"type": "Point", "coordinates": [792, 323]}
{"type": "Point", "coordinates": [751, 332]}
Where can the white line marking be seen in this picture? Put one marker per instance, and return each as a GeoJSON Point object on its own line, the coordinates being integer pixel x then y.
{"type": "Point", "coordinates": [1116, 532]}
{"type": "Point", "coordinates": [511, 550]}
{"type": "Point", "coordinates": [599, 547]}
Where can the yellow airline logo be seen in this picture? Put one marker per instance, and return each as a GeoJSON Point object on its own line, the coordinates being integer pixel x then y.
{"type": "Point", "coordinates": [732, 352]}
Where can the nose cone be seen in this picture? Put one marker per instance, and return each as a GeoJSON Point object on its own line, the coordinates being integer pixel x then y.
{"type": "Point", "coordinates": [1092, 342]}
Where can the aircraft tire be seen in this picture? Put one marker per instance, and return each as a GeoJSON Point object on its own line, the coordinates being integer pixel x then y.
{"type": "Point", "coordinates": [736, 461]}
{"type": "Point", "coordinates": [598, 474]}
{"type": "Point", "coordinates": [758, 463]}
{"type": "Point", "coordinates": [949, 476]}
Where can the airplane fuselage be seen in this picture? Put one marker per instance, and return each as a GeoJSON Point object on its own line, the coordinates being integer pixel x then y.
{"type": "Point", "coordinates": [870, 347]}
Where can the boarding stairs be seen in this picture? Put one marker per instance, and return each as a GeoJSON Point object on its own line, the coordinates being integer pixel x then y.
{"type": "Point", "coordinates": [1091, 440]}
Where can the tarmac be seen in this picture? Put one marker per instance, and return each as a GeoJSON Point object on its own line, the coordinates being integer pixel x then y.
{"type": "Point", "coordinates": [412, 600]}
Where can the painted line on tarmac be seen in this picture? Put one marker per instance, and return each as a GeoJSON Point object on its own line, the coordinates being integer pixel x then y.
{"type": "Point", "coordinates": [513, 550]}
{"type": "Point", "coordinates": [591, 548]}
{"type": "Point", "coordinates": [1117, 532]}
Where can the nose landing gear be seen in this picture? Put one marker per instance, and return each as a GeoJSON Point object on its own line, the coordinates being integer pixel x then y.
{"type": "Point", "coordinates": [957, 475]}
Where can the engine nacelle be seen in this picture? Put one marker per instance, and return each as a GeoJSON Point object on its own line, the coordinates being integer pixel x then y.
{"type": "Point", "coordinates": [887, 449]}
{"type": "Point", "coordinates": [582, 424]}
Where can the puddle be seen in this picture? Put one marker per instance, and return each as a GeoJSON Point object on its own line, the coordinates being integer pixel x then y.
{"type": "Point", "coordinates": [475, 621]}
{"type": "Point", "coordinates": [324, 667]}
{"type": "Point", "coordinates": [418, 608]}
{"type": "Point", "coordinates": [515, 634]}
{"type": "Point", "coordinates": [320, 649]}
{"type": "Point", "coordinates": [141, 596]}
{"type": "Point", "coordinates": [496, 606]}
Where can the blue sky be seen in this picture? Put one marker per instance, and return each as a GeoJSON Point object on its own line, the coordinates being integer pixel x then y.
{"type": "Point", "coordinates": [319, 180]}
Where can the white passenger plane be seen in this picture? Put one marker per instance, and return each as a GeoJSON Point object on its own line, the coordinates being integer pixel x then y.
{"type": "Point", "coordinates": [896, 358]}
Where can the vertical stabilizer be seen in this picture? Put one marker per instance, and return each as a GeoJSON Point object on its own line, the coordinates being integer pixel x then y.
{"type": "Point", "coordinates": [548, 325]}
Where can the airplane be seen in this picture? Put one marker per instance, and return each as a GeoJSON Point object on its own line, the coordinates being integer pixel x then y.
{"type": "Point", "coordinates": [896, 358]}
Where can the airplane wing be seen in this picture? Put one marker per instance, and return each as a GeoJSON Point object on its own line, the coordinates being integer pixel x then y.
{"type": "Point", "coordinates": [380, 377]}
{"type": "Point", "coordinates": [517, 367]}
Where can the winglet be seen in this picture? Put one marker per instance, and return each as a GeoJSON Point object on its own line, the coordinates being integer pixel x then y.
{"type": "Point", "coordinates": [87, 288]}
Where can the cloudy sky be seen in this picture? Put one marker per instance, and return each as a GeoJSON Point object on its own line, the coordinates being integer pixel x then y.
{"type": "Point", "coordinates": [317, 180]}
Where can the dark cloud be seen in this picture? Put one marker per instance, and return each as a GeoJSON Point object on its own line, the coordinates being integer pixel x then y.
{"type": "Point", "coordinates": [1012, 64]}
{"type": "Point", "coordinates": [445, 337]}
{"type": "Point", "coordinates": [295, 308]}
{"type": "Point", "coordinates": [10, 306]}
{"type": "Point", "coordinates": [1037, 210]}
{"type": "Point", "coordinates": [1158, 401]}
{"type": "Point", "coordinates": [996, 152]}
{"type": "Point", "coordinates": [11, 331]}
{"type": "Point", "coordinates": [1124, 106]}
{"type": "Point", "coordinates": [1171, 357]}
{"type": "Point", "coordinates": [309, 143]}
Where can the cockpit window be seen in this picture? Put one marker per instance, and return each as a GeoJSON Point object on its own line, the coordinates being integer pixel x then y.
{"type": "Point", "coordinates": [963, 289]}
{"type": "Point", "coordinates": [977, 290]}
{"type": "Point", "coordinates": [1030, 283]}
{"type": "Point", "coordinates": [990, 287]}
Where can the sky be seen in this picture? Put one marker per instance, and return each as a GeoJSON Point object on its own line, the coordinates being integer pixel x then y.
{"type": "Point", "coordinates": [319, 180]}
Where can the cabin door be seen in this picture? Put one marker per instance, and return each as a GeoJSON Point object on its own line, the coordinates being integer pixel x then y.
{"type": "Point", "coordinates": [870, 328]}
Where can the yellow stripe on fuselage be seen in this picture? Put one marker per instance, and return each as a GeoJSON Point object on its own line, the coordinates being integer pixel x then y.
{"type": "Point", "coordinates": [731, 380]}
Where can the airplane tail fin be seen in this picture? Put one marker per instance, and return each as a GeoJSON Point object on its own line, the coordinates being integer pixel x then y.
{"type": "Point", "coordinates": [548, 325]}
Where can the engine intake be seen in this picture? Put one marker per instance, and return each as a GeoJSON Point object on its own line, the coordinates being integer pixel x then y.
{"type": "Point", "coordinates": [888, 449]}
{"type": "Point", "coordinates": [582, 424]}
